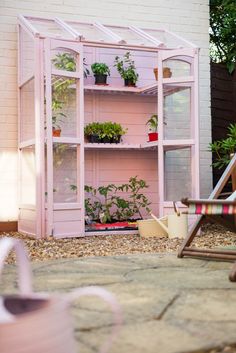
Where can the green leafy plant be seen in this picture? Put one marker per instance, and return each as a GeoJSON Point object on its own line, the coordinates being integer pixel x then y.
{"type": "Point", "coordinates": [107, 202]}
{"type": "Point", "coordinates": [153, 123]}
{"type": "Point", "coordinates": [66, 61]}
{"type": "Point", "coordinates": [111, 130]}
{"type": "Point", "coordinates": [100, 69]}
{"type": "Point", "coordinates": [126, 68]}
{"type": "Point", "coordinates": [137, 200]}
{"type": "Point", "coordinates": [222, 32]}
{"type": "Point", "coordinates": [107, 129]}
{"type": "Point", "coordinates": [61, 86]}
{"type": "Point", "coordinates": [223, 149]}
{"type": "Point", "coordinates": [94, 128]}
{"type": "Point", "coordinates": [99, 207]}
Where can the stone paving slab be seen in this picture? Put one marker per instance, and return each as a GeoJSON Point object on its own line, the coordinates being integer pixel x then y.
{"type": "Point", "coordinates": [169, 305]}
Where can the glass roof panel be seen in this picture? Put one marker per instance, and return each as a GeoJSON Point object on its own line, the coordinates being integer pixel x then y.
{"type": "Point", "coordinates": [49, 28]}
{"type": "Point", "coordinates": [129, 36]}
{"type": "Point", "coordinates": [168, 39]}
{"type": "Point", "coordinates": [107, 33]}
{"type": "Point", "coordinates": [90, 32]}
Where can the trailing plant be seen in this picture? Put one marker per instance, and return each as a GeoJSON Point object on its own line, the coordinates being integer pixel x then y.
{"type": "Point", "coordinates": [223, 149]}
{"type": "Point", "coordinates": [126, 68]}
{"type": "Point", "coordinates": [100, 69]}
{"type": "Point", "coordinates": [153, 123]}
{"type": "Point", "coordinates": [61, 87]}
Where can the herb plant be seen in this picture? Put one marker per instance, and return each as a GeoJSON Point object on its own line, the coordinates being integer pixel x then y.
{"type": "Point", "coordinates": [100, 69]}
{"type": "Point", "coordinates": [153, 123]}
{"type": "Point", "coordinates": [126, 68]}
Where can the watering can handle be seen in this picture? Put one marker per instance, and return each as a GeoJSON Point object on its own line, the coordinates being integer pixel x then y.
{"type": "Point", "coordinates": [24, 271]}
{"type": "Point", "coordinates": [176, 208]}
{"type": "Point", "coordinates": [159, 222]}
{"type": "Point", "coordinates": [107, 297]}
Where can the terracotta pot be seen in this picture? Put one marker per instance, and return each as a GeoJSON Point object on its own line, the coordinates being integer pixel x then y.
{"type": "Point", "coordinates": [153, 136]}
{"type": "Point", "coordinates": [56, 132]}
{"type": "Point", "coordinates": [166, 72]}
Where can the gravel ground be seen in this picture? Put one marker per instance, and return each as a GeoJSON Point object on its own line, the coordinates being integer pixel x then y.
{"type": "Point", "coordinates": [108, 245]}
{"type": "Point", "coordinates": [49, 249]}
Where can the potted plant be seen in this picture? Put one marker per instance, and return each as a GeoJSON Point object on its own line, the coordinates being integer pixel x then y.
{"type": "Point", "coordinates": [111, 132]}
{"type": "Point", "coordinates": [166, 72]}
{"type": "Point", "coordinates": [152, 125]}
{"type": "Point", "coordinates": [127, 70]}
{"type": "Point", "coordinates": [57, 117]}
{"type": "Point", "coordinates": [92, 132]}
{"type": "Point", "coordinates": [100, 71]}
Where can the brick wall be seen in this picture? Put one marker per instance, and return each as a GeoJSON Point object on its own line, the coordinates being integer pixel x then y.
{"type": "Point", "coordinates": [188, 18]}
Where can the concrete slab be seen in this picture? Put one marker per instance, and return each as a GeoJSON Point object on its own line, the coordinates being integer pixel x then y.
{"type": "Point", "coordinates": [169, 305]}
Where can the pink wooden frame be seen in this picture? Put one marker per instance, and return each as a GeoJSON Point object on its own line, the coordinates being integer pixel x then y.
{"type": "Point", "coordinates": [45, 213]}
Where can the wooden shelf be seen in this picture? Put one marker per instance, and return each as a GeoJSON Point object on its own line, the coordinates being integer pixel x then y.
{"type": "Point", "coordinates": [121, 146]}
{"type": "Point", "coordinates": [171, 86]}
{"type": "Point", "coordinates": [167, 144]}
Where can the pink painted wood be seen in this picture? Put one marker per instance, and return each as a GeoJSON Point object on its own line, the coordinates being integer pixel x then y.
{"type": "Point", "coordinates": [101, 164]}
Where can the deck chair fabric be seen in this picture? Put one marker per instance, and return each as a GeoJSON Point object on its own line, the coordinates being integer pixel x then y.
{"type": "Point", "coordinates": [211, 207]}
{"type": "Point", "coordinates": [215, 210]}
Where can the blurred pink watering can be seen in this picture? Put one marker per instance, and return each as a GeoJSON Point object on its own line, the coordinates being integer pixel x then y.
{"type": "Point", "coordinates": [39, 322]}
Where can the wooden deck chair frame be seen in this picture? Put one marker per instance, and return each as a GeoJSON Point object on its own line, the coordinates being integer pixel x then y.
{"type": "Point", "coordinates": [186, 250]}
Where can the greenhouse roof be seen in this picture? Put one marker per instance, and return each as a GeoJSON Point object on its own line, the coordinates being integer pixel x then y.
{"type": "Point", "coordinates": [102, 35]}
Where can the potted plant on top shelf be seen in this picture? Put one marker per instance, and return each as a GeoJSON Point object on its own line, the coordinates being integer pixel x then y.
{"type": "Point", "coordinates": [100, 71]}
{"type": "Point", "coordinates": [127, 70]}
{"type": "Point", "coordinates": [152, 125]}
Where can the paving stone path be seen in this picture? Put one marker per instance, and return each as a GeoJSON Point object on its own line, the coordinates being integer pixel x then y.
{"type": "Point", "coordinates": [169, 305]}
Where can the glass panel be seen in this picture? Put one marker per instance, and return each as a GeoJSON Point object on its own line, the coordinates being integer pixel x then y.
{"type": "Point", "coordinates": [64, 102]}
{"type": "Point", "coordinates": [66, 60]}
{"type": "Point", "coordinates": [28, 176]}
{"type": "Point", "coordinates": [177, 113]}
{"type": "Point", "coordinates": [27, 127]}
{"type": "Point", "coordinates": [168, 39]}
{"type": "Point", "coordinates": [50, 28]}
{"type": "Point", "coordinates": [177, 67]}
{"type": "Point", "coordinates": [26, 55]}
{"type": "Point", "coordinates": [65, 173]}
{"type": "Point", "coordinates": [90, 33]}
{"type": "Point", "coordinates": [129, 36]}
{"type": "Point", "coordinates": [177, 174]}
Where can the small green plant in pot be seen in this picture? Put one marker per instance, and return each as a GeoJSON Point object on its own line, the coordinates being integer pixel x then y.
{"type": "Point", "coordinates": [111, 132]}
{"type": "Point", "coordinates": [152, 126]}
{"type": "Point", "coordinates": [93, 132]}
{"type": "Point", "coordinates": [100, 71]}
{"type": "Point", "coordinates": [127, 70]}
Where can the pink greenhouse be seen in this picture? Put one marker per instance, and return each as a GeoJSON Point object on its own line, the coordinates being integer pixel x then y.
{"type": "Point", "coordinates": [57, 92]}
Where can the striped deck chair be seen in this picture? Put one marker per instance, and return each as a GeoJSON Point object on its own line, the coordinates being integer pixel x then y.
{"type": "Point", "coordinates": [215, 210]}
